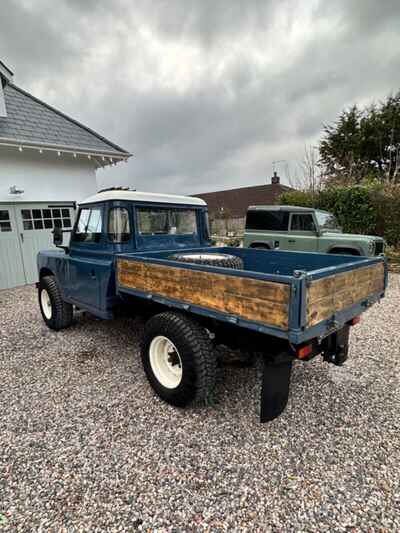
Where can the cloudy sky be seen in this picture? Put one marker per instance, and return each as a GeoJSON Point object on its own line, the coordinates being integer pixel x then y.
{"type": "Point", "coordinates": [205, 93]}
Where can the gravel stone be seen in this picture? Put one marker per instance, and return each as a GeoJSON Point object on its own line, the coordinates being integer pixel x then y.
{"type": "Point", "coordinates": [86, 446]}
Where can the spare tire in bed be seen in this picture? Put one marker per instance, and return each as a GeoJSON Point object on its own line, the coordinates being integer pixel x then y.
{"type": "Point", "coordinates": [206, 258]}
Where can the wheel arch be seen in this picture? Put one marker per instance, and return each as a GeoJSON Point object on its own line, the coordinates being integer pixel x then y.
{"type": "Point", "coordinates": [262, 244]}
{"type": "Point", "coordinates": [45, 271]}
{"type": "Point", "coordinates": [352, 250]}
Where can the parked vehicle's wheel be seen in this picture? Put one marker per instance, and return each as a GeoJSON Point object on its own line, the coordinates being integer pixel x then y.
{"type": "Point", "coordinates": [56, 313]}
{"type": "Point", "coordinates": [217, 259]}
{"type": "Point", "coordinates": [178, 359]}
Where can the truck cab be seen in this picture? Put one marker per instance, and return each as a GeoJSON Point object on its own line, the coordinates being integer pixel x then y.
{"type": "Point", "coordinates": [306, 230]}
{"type": "Point", "coordinates": [114, 222]}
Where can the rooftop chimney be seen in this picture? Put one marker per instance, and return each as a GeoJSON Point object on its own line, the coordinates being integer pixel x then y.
{"type": "Point", "coordinates": [275, 180]}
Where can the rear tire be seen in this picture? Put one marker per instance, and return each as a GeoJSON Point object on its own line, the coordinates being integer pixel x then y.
{"type": "Point", "coordinates": [178, 359]}
{"type": "Point", "coordinates": [56, 313]}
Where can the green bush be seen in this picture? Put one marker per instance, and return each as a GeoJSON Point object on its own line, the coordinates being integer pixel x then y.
{"type": "Point", "coordinates": [368, 209]}
{"type": "Point", "coordinates": [387, 205]}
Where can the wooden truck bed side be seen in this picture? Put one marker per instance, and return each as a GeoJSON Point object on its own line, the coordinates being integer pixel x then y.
{"type": "Point", "coordinates": [257, 300]}
{"type": "Point", "coordinates": [329, 295]}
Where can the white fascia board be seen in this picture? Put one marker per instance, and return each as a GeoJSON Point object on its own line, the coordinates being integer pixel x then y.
{"type": "Point", "coordinates": [106, 157]}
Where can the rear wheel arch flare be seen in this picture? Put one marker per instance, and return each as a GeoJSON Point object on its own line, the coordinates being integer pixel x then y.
{"type": "Point", "coordinates": [260, 245]}
{"type": "Point", "coordinates": [44, 271]}
{"type": "Point", "coordinates": [344, 251]}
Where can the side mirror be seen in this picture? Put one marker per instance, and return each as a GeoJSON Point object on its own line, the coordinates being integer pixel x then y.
{"type": "Point", "coordinates": [57, 236]}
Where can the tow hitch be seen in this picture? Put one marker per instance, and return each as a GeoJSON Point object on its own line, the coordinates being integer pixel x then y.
{"type": "Point", "coordinates": [335, 348]}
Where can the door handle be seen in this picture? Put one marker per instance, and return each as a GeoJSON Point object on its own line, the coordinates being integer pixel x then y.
{"type": "Point", "coordinates": [22, 237]}
{"type": "Point", "coordinates": [93, 274]}
{"type": "Point", "coordinates": [292, 240]}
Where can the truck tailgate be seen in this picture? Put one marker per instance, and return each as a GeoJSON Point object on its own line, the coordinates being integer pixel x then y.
{"type": "Point", "coordinates": [329, 295]}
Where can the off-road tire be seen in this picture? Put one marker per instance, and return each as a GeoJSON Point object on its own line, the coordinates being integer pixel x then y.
{"type": "Point", "coordinates": [62, 312]}
{"type": "Point", "coordinates": [196, 352]}
{"type": "Point", "coordinates": [208, 258]}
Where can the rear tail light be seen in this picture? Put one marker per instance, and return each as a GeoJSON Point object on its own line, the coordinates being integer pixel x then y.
{"type": "Point", "coordinates": [355, 320]}
{"type": "Point", "coordinates": [305, 351]}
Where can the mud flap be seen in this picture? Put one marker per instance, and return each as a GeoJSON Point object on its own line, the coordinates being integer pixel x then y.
{"type": "Point", "coordinates": [275, 386]}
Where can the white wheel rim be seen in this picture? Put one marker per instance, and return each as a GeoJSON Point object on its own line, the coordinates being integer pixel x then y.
{"type": "Point", "coordinates": [165, 362]}
{"type": "Point", "coordinates": [46, 304]}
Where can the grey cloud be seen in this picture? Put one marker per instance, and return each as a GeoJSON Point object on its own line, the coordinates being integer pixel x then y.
{"type": "Point", "coordinates": [225, 126]}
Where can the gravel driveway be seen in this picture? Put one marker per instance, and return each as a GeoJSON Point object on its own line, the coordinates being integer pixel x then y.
{"type": "Point", "coordinates": [86, 446]}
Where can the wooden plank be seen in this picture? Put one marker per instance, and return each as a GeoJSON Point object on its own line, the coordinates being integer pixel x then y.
{"type": "Point", "coordinates": [329, 295]}
{"type": "Point", "coordinates": [251, 299]}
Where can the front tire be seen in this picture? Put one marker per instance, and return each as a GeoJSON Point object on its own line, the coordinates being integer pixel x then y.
{"type": "Point", "coordinates": [56, 313]}
{"type": "Point", "coordinates": [178, 359]}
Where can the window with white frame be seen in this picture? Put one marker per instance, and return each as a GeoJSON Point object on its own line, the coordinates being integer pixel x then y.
{"type": "Point", "coordinates": [47, 218]}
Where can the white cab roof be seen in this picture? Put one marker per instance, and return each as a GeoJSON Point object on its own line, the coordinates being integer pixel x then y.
{"type": "Point", "coordinates": [136, 196]}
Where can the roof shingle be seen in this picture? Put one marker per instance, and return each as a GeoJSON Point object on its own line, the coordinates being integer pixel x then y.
{"type": "Point", "coordinates": [30, 120]}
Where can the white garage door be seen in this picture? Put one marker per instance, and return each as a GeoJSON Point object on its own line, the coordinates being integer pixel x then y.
{"type": "Point", "coordinates": [31, 231]}
{"type": "Point", "coordinates": [11, 265]}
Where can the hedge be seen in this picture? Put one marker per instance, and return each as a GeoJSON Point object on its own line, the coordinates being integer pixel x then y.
{"type": "Point", "coordinates": [368, 209]}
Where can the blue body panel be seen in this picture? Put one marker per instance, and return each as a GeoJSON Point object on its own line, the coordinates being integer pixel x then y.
{"type": "Point", "coordinates": [86, 272]}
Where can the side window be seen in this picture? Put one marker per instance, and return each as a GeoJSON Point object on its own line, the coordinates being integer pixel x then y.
{"type": "Point", "coordinates": [118, 225]}
{"type": "Point", "coordinates": [88, 228]}
{"type": "Point", "coordinates": [302, 222]}
{"type": "Point", "coordinates": [258, 219]}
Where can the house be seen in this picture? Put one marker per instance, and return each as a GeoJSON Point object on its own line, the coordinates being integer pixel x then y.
{"type": "Point", "coordinates": [48, 162]}
{"type": "Point", "coordinates": [227, 209]}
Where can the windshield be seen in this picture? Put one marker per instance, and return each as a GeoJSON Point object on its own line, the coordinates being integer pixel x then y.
{"type": "Point", "coordinates": [327, 221]}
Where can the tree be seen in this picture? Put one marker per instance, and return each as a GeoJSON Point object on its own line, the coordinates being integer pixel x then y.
{"type": "Point", "coordinates": [363, 143]}
{"type": "Point", "coordinates": [309, 174]}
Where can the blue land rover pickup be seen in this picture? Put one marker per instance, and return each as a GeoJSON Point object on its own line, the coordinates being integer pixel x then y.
{"type": "Point", "coordinates": [151, 254]}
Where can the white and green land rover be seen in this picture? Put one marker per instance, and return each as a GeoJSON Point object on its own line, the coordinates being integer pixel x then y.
{"type": "Point", "coordinates": [304, 229]}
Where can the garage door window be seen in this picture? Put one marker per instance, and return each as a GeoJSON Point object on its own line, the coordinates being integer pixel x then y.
{"type": "Point", "coordinates": [46, 218]}
{"type": "Point", "coordinates": [5, 224]}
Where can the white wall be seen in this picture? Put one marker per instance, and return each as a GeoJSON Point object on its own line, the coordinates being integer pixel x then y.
{"type": "Point", "coordinates": [45, 177]}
